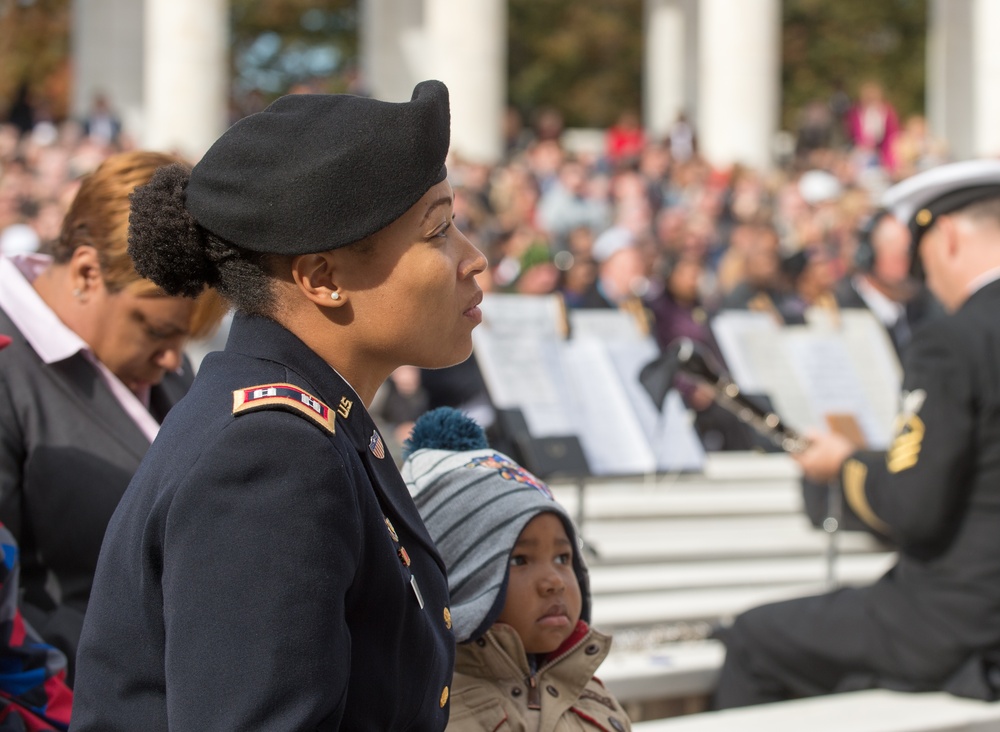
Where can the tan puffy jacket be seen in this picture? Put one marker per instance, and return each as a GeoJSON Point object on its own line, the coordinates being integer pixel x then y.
{"type": "Point", "coordinates": [494, 689]}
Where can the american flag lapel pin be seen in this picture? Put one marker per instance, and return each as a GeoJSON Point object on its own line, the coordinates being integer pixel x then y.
{"type": "Point", "coordinates": [376, 446]}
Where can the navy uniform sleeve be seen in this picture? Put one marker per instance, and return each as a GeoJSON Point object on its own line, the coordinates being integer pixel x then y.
{"type": "Point", "coordinates": [914, 491]}
{"type": "Point", "coordinates": [260, 546]}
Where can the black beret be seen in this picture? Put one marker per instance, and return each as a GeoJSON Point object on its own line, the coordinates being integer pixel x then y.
{"type": "Point", "coordinates": [919, 200]}
{"type": "Point", "coordinates": [314, 172]}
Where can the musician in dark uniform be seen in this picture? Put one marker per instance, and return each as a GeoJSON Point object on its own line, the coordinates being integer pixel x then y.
{"type": "Point", "coordinates": [882, 282]}
{"type": "Point", "coordinates": [266, 568]}
{"type": "Point", "coordinates": [933, 621]}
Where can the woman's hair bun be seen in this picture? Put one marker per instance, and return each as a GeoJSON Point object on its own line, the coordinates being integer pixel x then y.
{"type": "Point", "coordinates": [165, 242]}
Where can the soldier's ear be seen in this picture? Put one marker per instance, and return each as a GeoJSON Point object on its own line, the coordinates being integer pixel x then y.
{"type": "Point", "coordinates": [315, 275]}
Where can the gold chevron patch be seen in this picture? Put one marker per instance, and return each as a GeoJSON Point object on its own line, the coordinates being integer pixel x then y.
{"type": "Point", "coordinates": [905, 449]}
{"type": "Point", "coordinates": [284, 397]}
{"type": "Point", "coordinates": [853, 479]}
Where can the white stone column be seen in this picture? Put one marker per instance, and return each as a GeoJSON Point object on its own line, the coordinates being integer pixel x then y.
{"type": "Point", "coordinates": [665, 55]}
{"type": "Point", "coordinates": [739, 53]}
{"type": "Point", "coordinates": [963, 65]}
{"type": "Point", "coordinates": [391, 49]}
{"type": "Point", "coordinates": [950, 77]}
{"type": "Point", "coordinates": [466, 46]}
{"type": "Point", "coordinates": [186, 79]}
{"type": "Point", "coordinates": [986, 94]}
{"type": "Point", "coordinates": [106, 47]}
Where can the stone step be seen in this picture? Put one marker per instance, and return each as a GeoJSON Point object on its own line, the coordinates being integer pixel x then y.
{"type": "Point", "coordinates": [714, 604]}
{"type": "Point", "coordinates": [715, 539]}
{"type": "Point", "coordinates": [873, 710]}
{"type": "Point", "coordinates": [735, 573]}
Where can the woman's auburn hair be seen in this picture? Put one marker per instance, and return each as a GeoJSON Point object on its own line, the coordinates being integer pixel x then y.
{"type": "Point", "coordinates": [98, 217]}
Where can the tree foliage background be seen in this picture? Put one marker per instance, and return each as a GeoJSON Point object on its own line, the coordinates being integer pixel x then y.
{"type": "Point", "coordinates": [34, 51]}
{"type": "Point", "coordinates": [830, 46]}
{"type": "Point", "coordinates": [585, 58]}
{"type": "Point", "coordinates": [278, 44]}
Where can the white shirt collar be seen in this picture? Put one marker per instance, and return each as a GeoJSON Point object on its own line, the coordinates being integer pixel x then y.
{"type": "Point", "coordinates": [978, 283]}
{"type": "Point", "coordinates": [885, 308]}
{"type": "Point", "coordinates": [50, 338]}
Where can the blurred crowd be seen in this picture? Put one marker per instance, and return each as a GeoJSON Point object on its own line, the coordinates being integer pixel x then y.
{"type": "Point", "coordinates": [611, 218]}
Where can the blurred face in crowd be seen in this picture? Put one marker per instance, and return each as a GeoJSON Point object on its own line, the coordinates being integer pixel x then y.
{"type": "Point", "coordinates": [623, 274]}
{"type": "Point", "coordinates": [819, 275]}
{"type": "Point", "coordinates": [870, 94]}
{"type": "Point", "coordinates": [891, 243]}
{"type": "Point", "coordinates": [654, 161]}
{"type": "Point", "coordinates": [669, 225]}
{"type": "Point", "coordinates": [762, 262]}
{"type": "Point", "coordinates": [685, 279]}
{"type": "Point", "coordinates": [541, 279]}
{"type": "Point", "coordinates": [546, 157]}
{"type": "Point", "coordinates": [581, 275]}
{"type": "Point", "coordinates": [573, 178]}
{"type": "Point", "coordinates": [544, 601]}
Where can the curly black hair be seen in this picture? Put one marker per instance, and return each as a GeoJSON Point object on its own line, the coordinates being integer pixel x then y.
{"type": "Point", "coordinates": [169, 247]}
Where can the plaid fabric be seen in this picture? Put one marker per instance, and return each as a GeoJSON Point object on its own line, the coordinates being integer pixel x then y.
{"type": "Point", "coordinates": [33, 692]}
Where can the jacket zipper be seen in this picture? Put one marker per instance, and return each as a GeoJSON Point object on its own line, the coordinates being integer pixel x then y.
{"type": "Point", "coordinates": [534, 698]}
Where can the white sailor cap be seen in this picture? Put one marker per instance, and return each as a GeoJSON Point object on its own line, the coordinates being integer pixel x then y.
{"type": "Point", "coordinates": [919, 200]}
{"type": "Point", "coordinates": [610, 242]}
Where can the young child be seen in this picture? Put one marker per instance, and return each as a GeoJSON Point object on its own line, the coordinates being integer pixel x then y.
{"type": "Point", "coordinates": [520, 595]}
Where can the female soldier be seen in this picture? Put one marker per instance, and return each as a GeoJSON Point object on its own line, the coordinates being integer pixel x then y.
{"type": "Point", "coordinates": [267, 568]}
{"type": "Point", "coordinates": [96, 362]}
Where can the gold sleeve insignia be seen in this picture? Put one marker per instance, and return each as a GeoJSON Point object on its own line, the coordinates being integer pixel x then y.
{"type": "Point", "coordinates": [909, 430]}
{"type": "Point", "coordinates": [853, 480]}
{"type": "Point", "coordinates": [284, 397]}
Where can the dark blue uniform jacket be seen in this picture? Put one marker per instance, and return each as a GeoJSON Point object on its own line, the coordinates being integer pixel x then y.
{"type": "Point", "coordinates": [266, 568]}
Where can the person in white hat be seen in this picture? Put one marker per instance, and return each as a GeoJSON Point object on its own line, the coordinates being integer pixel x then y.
{"type": "Point", "coordinates": [933, 621]}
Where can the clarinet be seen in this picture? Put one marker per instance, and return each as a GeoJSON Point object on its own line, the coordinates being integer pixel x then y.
{"type": "Point", "coordinates": [695, 361]}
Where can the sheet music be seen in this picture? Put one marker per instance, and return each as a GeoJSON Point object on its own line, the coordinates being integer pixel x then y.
{"type": "Point", "coordinates": [839, 363]}
{"type": "Point", "coordinates": [524, 371]}
{"type": "Point", "coordinates": [524, 315]}
{"type": "Point", "coordinates": [607, 324]}
{"type": "Point", "coordinates": [736, 331]}
{"type": "Point", "coordinates": [830, 380]}
{"type": "Point", "coordinates": [671, 433]}
{"type": "Point", "coordinates": [609, 430]}
{"type": "Point", "coordinates": [880, 372]}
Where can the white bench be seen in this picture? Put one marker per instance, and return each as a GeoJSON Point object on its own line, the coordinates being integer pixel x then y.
{"type": "Point", "coordinates": [875, 710]}
{"type": "Point", "coordinates": [704, 547]}
{"type": "Point", "coordinates": [682, 669]}
{"type": "Point", "coordinates": [674, 555]}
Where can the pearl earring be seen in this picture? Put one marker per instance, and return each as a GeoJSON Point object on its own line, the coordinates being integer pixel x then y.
{"type": "Point", "coordinates": [334, 295]}
{"type": "Point", "coordinates": [77, 292]}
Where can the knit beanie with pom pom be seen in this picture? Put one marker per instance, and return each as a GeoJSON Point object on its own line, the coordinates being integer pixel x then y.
{"type": "Point", "coordinates": [475, 502]}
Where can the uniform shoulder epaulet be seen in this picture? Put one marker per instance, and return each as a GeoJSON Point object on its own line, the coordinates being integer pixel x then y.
{"type": "Point", "coordinates": [284, 397]}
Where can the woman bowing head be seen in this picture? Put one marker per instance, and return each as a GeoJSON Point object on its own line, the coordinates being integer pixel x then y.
{"type": "Point", "coordinates": [268, 536]}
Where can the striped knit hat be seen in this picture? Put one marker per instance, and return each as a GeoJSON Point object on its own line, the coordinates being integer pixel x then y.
{"type": "Point", "coordinates": [475, 502]}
